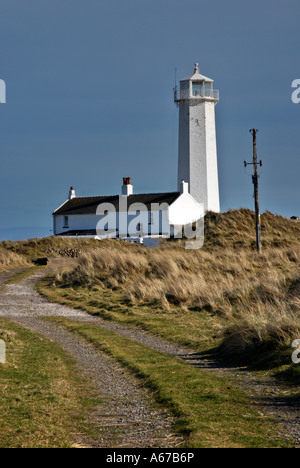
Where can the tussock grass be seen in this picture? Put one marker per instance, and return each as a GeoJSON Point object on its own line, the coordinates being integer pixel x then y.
{"type": "Point", "coordinates": [236, 229]}
{"type": "Point", "coordinates": [10, 260]}
{"type": "Point", "coordinates": [57, 246]}
{"type": "Point", "coordinates": [223, 280]}
{"type": "Point", "coordinates": [262, 337]}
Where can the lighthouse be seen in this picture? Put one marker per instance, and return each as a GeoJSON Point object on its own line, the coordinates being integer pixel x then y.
{"type": "Point", "coordinates": [197, 147]}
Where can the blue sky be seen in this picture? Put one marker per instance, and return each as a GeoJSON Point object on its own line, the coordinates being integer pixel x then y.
{"type": "Point", "coordinates": [89, 99]}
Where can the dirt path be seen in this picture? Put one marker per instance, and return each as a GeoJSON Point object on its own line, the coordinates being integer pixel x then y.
{"type": "Point", "coordinates": [127, 416]}
{"type": "Point", "coordinates": [22, 303]}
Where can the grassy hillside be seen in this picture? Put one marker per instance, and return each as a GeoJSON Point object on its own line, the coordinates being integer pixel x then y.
{"type": "Point", "coordinates": [224, 294]}
{"type": "Point", "coordinates": [60, 247]}
{"type": "Point", "coordinates": [236, 229]}
{"type": "Point", "coordinates": [223, 299]}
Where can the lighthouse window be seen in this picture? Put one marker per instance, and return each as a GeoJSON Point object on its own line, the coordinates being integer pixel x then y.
{"type": "Point", "coordinates": [66, 221]}
{"type": "Point", "coordinates": [197, 89]}
{"type": "Point", "coordinates": [207, 89]}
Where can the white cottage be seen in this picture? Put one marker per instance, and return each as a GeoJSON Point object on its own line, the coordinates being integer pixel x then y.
{"type": "Point", "coordinates": [127, 215]}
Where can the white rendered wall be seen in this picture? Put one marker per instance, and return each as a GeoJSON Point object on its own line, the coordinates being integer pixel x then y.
{"type": "Point", "coordinates": [79, 222]}
{"type": "Point", "coordinates": [76, 222]}
{"type": "Point", "coordinates": [185, 210]}
{"type": "Point", "coordinates": [212, 160]}
{"type": "Point", "coordinates": [197, 152]}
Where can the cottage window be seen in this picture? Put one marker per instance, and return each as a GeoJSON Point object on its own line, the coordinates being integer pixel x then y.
{"type": "Point", "coordinates": [66, 221]}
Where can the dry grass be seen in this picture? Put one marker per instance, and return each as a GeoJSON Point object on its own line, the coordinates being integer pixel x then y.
{"type": "Point", "coordinates": [224, 281]}
{"type": "Point", "coordinates": [253, 299]}
{"type": "Point", "coordinates": [258, 296]}
{"type": "Point", "coordinates": [58, 246]}
{"type": "Point", "coordinates": [10, 260]}
{"type": "Point", "coordinates": [236, 229]}
{"type": "Point", "coordinates": [262, 336]}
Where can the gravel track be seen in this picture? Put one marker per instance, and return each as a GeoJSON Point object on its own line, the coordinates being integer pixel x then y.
{"type": "Point", "coordinates": [127, 416]}
{"type": "Point", "coordinates": [23, 304]}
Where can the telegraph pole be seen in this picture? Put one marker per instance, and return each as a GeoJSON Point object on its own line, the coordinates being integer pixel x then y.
{"type": "Point", "coordinates": [255, 178]}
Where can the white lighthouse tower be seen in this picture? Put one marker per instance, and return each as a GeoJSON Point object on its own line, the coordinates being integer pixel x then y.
{"type": "Point", "coordinates": [197, 148]}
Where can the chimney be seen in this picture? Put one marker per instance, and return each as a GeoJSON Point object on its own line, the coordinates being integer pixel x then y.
{"type": "Point", "coordinates": [127, 188]}
{"type": "Point", "coordinates": [72, 193]}
{"type": "Point", "coordinates": [184, 187]}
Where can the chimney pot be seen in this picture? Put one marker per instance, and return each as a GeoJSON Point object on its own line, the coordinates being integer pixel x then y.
{"type": "Point", "coordinates": [184, 187]}
{"type": "Point", "coordinates": [127, 188]}
{"type": "Point", "coordinates": [72, 193]}
{"type": "Point", "coordinates": [126, 180]}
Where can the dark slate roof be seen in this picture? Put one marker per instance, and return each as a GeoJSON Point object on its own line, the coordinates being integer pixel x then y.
{"type": "Point", "coordinates": [82, 232]}
{"type": "Point", "coordinates": [88, 205]}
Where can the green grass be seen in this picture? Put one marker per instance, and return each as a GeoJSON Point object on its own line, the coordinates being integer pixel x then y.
{"type": "Point", "coordinates": [44, 400]}
{"type": "Point", "coordinates": [198, 329]}
{"type": "Point", "coordinates": [209, 411]}
{"type": "Point", "coordinates": [26, 272]}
